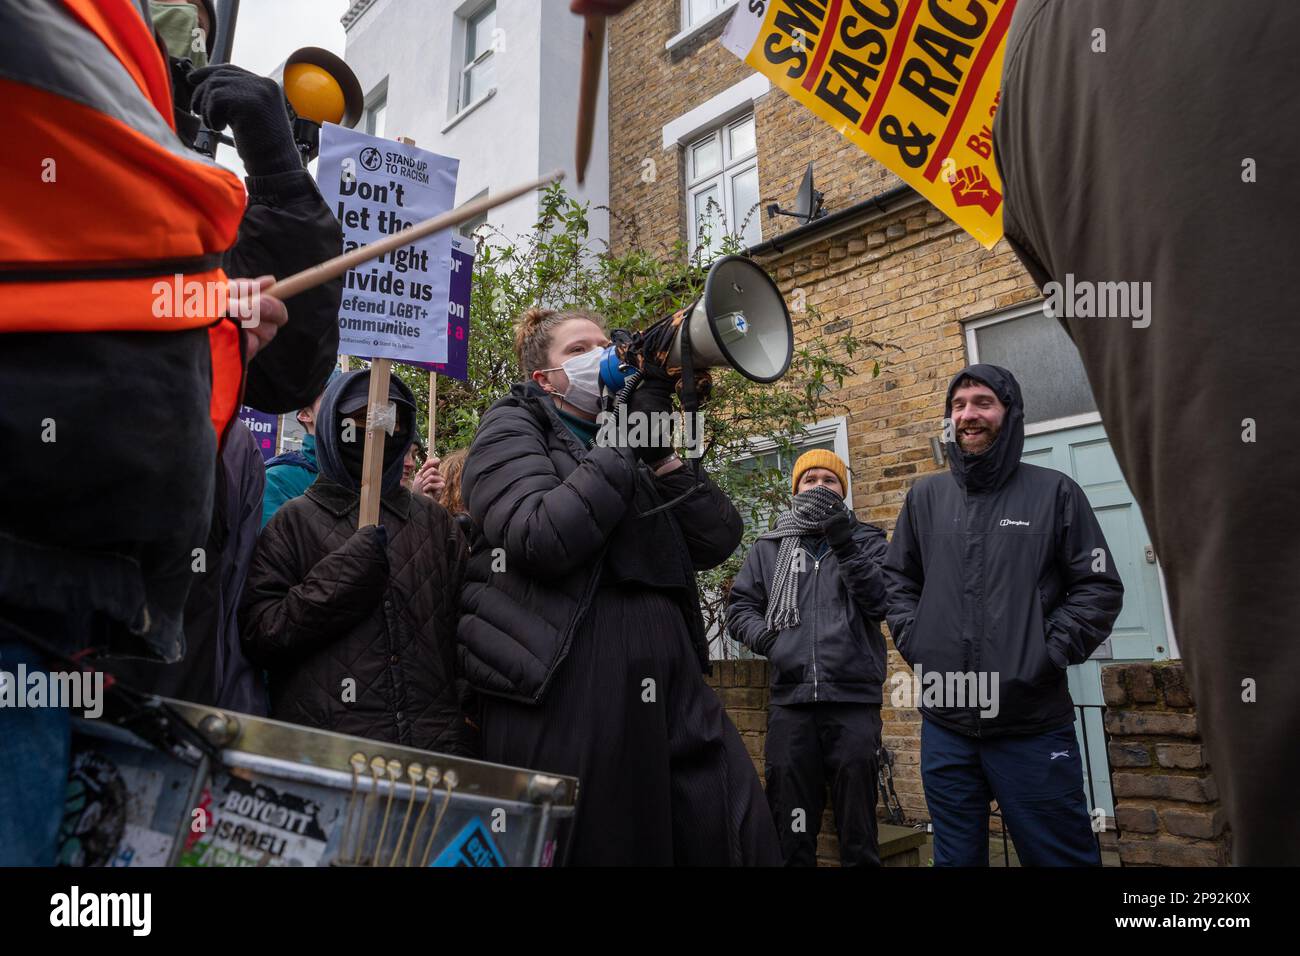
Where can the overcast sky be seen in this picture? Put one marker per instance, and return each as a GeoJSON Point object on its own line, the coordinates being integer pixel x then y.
{"type": "Point", "coordinates": [269, 30]}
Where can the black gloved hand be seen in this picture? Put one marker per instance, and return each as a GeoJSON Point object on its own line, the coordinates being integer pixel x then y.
{"type": "Point", "coordinates": [838, 529]}
{"type": "Point", "coordinates": [254, 108]}
{"type": "Point", "coordinates": [652, 397]}
{"type": "Point", "coordinates": [376, 531]}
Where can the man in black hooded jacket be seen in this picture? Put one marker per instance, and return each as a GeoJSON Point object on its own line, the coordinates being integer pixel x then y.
{"type": "Point", "coordinates": [999, 579]}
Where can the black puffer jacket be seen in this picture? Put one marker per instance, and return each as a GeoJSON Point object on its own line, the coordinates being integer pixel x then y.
{"type": "Point", "coordinates": [554, 521]}
{"type": "Point", "coordinates": [836, 653]}
{"type": "Point", "coordinates": [326, 602]}
{"type": "Point", "coordinates": [999, 568]}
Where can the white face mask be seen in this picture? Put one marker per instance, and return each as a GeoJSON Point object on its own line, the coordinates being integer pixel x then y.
{"type": "Point", "coordinates": [583, 372]}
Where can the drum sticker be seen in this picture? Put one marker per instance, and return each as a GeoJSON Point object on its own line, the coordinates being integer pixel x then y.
{"type": "Point", "coordinates": [141, 846]}
{"type": "Point", "coordinates": [117, 813]}
{"type": "Point", "coordinates": [472, 846]}
{"type": "Point", "coordinates": [252, 824]}
{"type": "Point", "coordinates": [94, 811]}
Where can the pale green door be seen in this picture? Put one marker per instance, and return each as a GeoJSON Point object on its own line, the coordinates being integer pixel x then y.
{"type": "Point", "coordinates": [1139, 634]}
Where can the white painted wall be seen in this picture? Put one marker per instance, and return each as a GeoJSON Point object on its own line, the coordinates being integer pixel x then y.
{"type": "Point", "coordinates": [526, 129]}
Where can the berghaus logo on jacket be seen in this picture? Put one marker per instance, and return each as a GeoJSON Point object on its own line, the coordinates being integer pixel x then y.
{"type": "Point", "coordinates": [1012, 521]}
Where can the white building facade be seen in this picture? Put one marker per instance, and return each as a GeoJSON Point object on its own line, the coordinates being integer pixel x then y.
{"type": "Point", "coordinates": [493, 83]}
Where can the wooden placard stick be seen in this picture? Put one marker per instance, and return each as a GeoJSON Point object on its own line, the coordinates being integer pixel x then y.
{"type": "Point", "coordinates": [433, 408]}
{"type": "Point", "coordinates": [372, 464]}
{"type": "Point", "coordinates": [593, 52]}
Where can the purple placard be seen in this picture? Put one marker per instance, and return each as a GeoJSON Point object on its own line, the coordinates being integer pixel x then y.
{"type": "Point", "coordinates": [265, 429]}
{"type": "Point", "coordinates": [462, 272]}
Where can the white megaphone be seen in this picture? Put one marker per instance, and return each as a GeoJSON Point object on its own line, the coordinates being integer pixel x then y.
{"type": "Point", "coordinates": [740, 322]}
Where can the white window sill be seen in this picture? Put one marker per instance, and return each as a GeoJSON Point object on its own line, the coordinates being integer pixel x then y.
{"type": "Point", "coordinates": [470, 109]}
{"type": "Point", "coordinates": [690, 32]}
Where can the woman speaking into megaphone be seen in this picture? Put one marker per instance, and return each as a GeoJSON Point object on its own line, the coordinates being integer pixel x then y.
{"type": "Point", "coordinates": [581, 626]}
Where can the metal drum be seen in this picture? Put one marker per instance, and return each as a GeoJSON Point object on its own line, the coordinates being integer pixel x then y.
{"type": "Point", "coordinates": [268, 793]}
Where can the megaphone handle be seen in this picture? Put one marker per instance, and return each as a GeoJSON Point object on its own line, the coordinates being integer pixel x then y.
{"type": "Point", "coordinates": [690, 401]}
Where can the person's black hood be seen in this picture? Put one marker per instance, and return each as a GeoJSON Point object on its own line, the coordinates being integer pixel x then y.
{"type": "Point", "coordinates": [991, 468]}
{"type": "Point", "coordinates": [329, 455]}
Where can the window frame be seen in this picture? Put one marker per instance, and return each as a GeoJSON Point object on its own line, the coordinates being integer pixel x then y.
{"type": "Point", "coordinates": [467, 229]}
{"type": "Point", "coordinates": [377, 99]}
{"type": "Point", "coordinates": [718, 7]}
{"type": "Point", "coordinates": [730, 167]}
{"type": "Point", "coordinates": [469, 21]}
{"type": "Point", "coordinates": [1025, 310]}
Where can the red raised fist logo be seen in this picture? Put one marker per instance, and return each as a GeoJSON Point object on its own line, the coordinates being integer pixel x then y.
{"type": "Point", "coordinates": [970, 187]}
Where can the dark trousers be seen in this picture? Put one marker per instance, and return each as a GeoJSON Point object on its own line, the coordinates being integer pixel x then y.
{"type": "Point", "coordinates": [807, 745]}
{"type": "Point", "coordinates": [1037, 781]}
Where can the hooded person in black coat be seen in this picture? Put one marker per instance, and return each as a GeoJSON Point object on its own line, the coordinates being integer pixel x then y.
{"type": "Point", "coordinates": [327, 603]}
{"type": "Point", "coordinates": [581, 625]}
{"type": "Point", "coordinates": [999, 579]}
{"type": "Point", "coordinates": [827, 661]}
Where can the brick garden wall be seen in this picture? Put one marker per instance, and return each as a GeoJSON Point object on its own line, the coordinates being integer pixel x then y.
{"type": "Point", "coordinates": [1167, 806]}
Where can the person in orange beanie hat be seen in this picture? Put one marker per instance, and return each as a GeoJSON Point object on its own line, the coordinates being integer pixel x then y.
{"type": "Point", "coordinates": [810, 598]}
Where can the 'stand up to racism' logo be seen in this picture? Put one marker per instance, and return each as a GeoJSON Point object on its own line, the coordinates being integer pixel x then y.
{"type": "Point", "coordinates": [371, 158]}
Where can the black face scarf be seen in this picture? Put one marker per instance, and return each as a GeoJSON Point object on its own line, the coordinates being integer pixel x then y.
{"type": "Point", "coordinates": [808, 511]}
{"type": "Point", "coordinates": [340, 461]}
{"type": "Point", "coordinates": [353, 452]}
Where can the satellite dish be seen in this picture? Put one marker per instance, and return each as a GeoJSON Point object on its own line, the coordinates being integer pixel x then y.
{"type": "Point", "coordinates": [807, 204]}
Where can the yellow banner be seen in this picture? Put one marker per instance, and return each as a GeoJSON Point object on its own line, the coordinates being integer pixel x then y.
{"type": "Point", "coordinates": [914, 83]}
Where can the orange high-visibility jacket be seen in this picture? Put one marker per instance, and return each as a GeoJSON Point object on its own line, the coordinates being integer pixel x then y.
{"type": "Point", "coordinates": [102, 202]}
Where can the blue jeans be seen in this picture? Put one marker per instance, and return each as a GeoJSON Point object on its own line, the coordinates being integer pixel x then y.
{"type": "Point", "coordinates": [1037, 781]}
{"type": "Point", "coordinates": [34, 754]}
